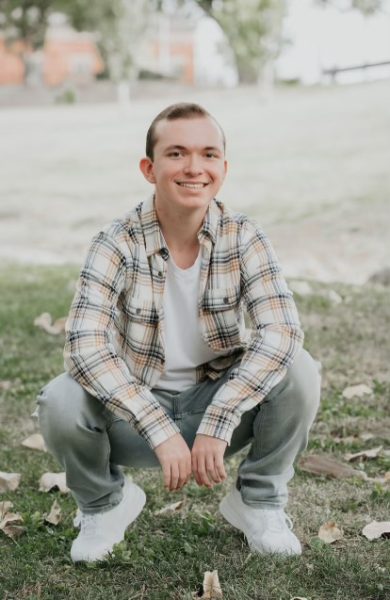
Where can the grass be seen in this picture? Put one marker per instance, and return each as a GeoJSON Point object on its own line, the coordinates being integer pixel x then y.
{"type": "Point", "coordinates": [164, 557]}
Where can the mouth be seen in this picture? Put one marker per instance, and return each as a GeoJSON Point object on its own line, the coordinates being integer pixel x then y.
{"type": "Point", "coordinates": [199, 185]}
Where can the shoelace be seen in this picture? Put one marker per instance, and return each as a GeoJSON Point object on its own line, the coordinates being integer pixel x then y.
{"type": "Point", "coordinates": [277, 521]}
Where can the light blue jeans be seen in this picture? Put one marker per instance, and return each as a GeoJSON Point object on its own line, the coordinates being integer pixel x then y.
{"type": "Point", "coordinates": [91, 443]}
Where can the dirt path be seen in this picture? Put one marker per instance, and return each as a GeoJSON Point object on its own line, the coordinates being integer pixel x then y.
{"type": "Point", "coordinates": [312, 166]}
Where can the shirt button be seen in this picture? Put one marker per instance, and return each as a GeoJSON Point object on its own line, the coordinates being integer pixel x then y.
{"type": "Point", "coordinates": [226, 299]}
{"type": "Point", "coordinates": [137, 310]}
{"type": "Point", "coordinates": [160, 274]}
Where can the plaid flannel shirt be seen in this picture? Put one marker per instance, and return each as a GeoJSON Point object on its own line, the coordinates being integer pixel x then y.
{"type": "Point", "coordinates": [115, 330]}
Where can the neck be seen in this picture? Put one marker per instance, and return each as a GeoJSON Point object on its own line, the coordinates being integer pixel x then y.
{"type": "Point", "coordinates": [180, 230]}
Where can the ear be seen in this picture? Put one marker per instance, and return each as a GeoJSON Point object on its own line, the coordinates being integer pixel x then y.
{"type": "Point", "coordinates": [146, 166]}
{"type": "Point", "coordinates": [225, 167]}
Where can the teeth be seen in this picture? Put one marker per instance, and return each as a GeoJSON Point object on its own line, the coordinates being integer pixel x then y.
{"type": "Point", "coordinates": [192, 186]}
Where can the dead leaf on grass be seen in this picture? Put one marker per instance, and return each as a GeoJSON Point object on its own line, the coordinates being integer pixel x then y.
{"type": "Point", "coordinates": [299, 598]}
{"type": "Point", "coordinates": [170, 508]}
{"type": "Point", "coordinates": [5, 506]}
{"type": "Point", "coordinates": [44, 321]}
{"type": "Point", "coordinates": [211, 589]}
{"type": "Point", "coordinates": [9, 482]}
{"type": "Point", "coordinates": [384, 480]}
{"type": "Point", "coordinates": [325, 465]}
{"type": "Point", "coordinates": [51, 481]}
{"type": "Point", "coordinates": [11, 525]}
{"type": "Point", "coordinates": [35, 442]}
{"type": "Point", "coordinates": [54, 516]}
{"type": "Point", "coordinates": [356, 391]}
{"type": "Point", "coordinates": [329, 532]}
{"type": "Point", "coordinates": [365, 436]}
{"type": "Point", "coordinates": [5, 385]}
{"type": "Point", "coordinates": [377, 529]}
{"type": "Point", "coordinates": [372, 453]}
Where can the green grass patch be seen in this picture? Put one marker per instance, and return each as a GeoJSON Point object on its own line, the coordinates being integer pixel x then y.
{"type": "Point", "coordinates": [164, 556]}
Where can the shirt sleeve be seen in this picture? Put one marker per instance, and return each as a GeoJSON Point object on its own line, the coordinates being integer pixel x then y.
{"type": "Point", "coordinates": [90, 356]}
{"type": "Point", "coordinates": [276, 339]}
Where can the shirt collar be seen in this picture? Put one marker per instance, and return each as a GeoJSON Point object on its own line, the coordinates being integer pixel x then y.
{"type": "Point", "coordinates": [154, 239]}
{"type": "Point", "coordinates": [211, 220]}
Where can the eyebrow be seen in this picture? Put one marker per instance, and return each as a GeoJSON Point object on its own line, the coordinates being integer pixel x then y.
{"type": "Point", "coordinates": [178, 147]}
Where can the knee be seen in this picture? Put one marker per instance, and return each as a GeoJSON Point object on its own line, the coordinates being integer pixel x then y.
{"type": "Point", "coordinates": [59, 403]}
{"type": "Point", "coordinates": [304, 384]}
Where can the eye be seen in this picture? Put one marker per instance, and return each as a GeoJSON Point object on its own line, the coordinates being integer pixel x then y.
{"type": "Point", "coordinates": [175, 154]}
{"type": "Point", "coordinates": [211, 155]}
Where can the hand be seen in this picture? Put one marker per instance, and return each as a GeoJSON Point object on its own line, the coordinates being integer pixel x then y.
{"type": "Point", "coordinates": [175, 459]}
{"type": "Point", "coordinates": [207, 460]}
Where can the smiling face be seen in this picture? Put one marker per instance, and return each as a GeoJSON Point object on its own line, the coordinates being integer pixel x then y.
{"type": "Point", "coordinates": [188, 166]}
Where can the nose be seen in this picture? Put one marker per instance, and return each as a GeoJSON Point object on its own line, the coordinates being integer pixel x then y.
{"type": "Point", "coordinates": [193, 165]}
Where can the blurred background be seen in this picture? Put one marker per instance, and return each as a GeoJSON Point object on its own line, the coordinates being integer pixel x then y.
{"type": "Point", "coordinates": [301, 87]}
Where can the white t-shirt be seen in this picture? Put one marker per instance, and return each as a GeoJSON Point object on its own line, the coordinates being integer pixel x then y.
{"type": "Point", "coordinates": [185, 348]}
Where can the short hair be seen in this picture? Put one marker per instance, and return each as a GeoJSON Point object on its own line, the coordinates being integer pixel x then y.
{"type": "Point", "coordinates": [181, 110]}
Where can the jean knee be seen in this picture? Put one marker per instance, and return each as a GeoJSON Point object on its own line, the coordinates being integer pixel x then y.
{"type": "Point", "coordinates": [57, 407]}
{"type": "Point", "coordinates": [305, 385]}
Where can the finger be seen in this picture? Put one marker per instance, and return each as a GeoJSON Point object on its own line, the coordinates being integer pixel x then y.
{"type": "Point", "coordinates": [194, 467]}
{"type": "Point", "coordinates": [182, 475]}
{"type": "Point", "coordinates": [211, 470]}
{"type": "Point", "coordinates": [174, 477]}
{"type": "Point", "coordinates": [220, 469]}
{"type": "Point", "coordinates": [202, 473]}
{"type": "Point", "coordinates": [167, 476]}
{"type": "Point", "coordinates": [188, 469]}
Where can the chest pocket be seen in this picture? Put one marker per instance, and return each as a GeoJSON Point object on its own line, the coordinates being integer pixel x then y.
{"type": "Point", "coordinates": [141, 310]}
{"type": "Point", "coordinates": [222, 313]}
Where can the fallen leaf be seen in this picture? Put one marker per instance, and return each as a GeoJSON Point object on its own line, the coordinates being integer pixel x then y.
{"type": "Point", "coordinates": [11, 525]}
{"type": "Point", "coordinates": [366, 436]}
{"type": "Point", "coordinates": [377, 529]}
{"type": "Point", "coordinates": [373, 453]}
{"type": "Point", "coordinates": [382, 480]}
{"type": "Point", "coordinates": [298, 598]}
{"type": "Point", "coordinates": [35, 442]}
{"type": "Point", "coordinates": [5, 506]}
{"type": "Point", "coordinates": [50, 481]}
{"type": "Point", "coordinates": [54, 516]}
{"type": "Point", "coordinates": [211, 589]}
{"type": "Point", "coordinates": [170, 508]}
{"type": "Point", "coordinates": [9, 482]}
{"type": "Point", "coordinates": [44, 321]}
{"type": "Point", "coordinates": [356, 391]}
{"type": "Point", "coordinates": [5, 385]}
{"type": "Point", "coordinates": [325, 465]}
{"type": "Point", "coordinates": [329, 532]}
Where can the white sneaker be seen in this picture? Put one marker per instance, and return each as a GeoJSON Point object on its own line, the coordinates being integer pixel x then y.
{"type": "Point", "coordinates": [99, 532]}
{"type": "Point", "coordinates": [267, 531]}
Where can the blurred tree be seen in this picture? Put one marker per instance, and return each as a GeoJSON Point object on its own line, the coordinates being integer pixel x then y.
{"type": "Point", "coordinates": [367, 7]}
{"type": "Point", "coordinates": [253, 30]}
{"type": "Point", "coordinates": [119, 24]}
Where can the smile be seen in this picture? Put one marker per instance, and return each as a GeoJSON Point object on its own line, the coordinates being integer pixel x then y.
{"type": "Point", "coordinates": [192, 186]}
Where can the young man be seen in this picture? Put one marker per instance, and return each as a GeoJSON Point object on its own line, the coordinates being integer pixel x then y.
{"type": "Point", "coordinates": [161, 368]}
